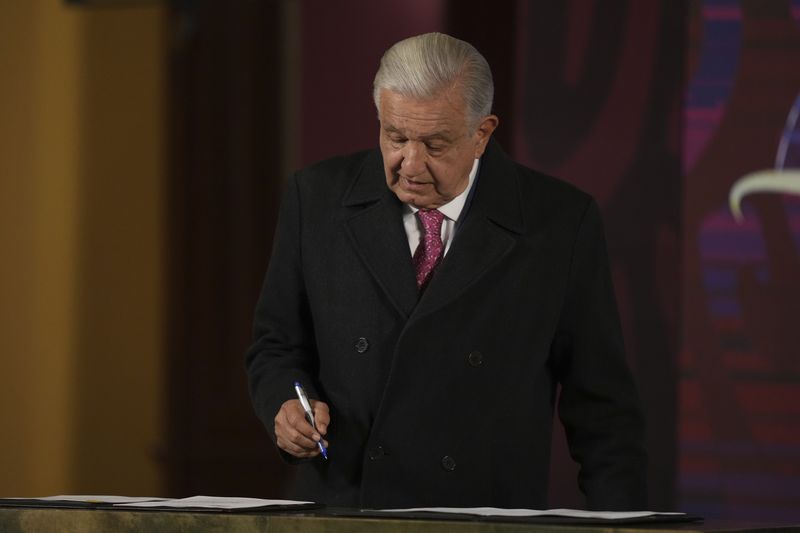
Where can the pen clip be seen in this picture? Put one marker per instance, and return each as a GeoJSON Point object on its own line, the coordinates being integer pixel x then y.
{"type": "Point", "coordinates": [301, 395]}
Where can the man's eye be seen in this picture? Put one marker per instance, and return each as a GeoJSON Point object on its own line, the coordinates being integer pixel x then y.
{"type": "Point", "coordinates": [434, 148]}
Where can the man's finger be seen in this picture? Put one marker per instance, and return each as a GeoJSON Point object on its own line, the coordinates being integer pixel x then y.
{"type": "Point", "coordinates": [296, 418]}
{"type": "Point", "coordinates": [291, 440]}
{"type": "Point", "coordinates": [294, 434]}
{"type": "Point", "coordinates": [291, 426]}
{"type": "Point", "coordinates": [299, 439]}
{"type": "Point", "coordinates": [301, 425]}
{"type": "Point", "coordinates": [296, 450]}
{"type": "Point", "coordinates": [322, 416]}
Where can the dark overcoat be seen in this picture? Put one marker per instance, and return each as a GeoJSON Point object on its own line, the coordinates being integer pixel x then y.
{"type": "Point", "coordinates": [447, 399]}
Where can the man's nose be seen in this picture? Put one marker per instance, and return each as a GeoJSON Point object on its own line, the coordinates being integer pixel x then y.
{"type": "Point", "coordinates": [413, 162]}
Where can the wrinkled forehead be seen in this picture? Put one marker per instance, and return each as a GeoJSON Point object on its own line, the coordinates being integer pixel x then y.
{"type": "Point", "coordinates": [442, 114]}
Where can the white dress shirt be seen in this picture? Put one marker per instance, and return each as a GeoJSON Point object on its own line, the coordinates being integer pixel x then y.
{"type": "Point", "coordinates": [451, 211]}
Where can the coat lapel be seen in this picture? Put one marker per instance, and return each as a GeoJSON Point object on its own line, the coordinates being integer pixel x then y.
{"type": "Point", "coordinates": [376, 230]}
{"type": "Point", "coordinates": [489, 232]}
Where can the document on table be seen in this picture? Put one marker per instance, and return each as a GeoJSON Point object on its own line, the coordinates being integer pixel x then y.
{"type": "Point", "coordinates": [85, 498]}
{"type": "Point", "coordinates": [195, 503]}
{"type": "Point", "coordinates": [215, 502]}
{"type": "Point", "coordinates": [526, 513]}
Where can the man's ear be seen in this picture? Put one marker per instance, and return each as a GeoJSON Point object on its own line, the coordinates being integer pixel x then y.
{"type": "Point", "coordinates": [484, 132]}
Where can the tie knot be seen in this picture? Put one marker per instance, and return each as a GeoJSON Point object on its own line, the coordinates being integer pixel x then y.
{"type": "Point", "coordinates": [431, 221]}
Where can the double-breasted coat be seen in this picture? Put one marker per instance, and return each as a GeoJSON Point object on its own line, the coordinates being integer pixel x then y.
{"type": "Point", "coordinates": [447, 398]}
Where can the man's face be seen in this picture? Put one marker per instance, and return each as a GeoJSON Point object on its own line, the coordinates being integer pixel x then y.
{"type": "Point", "coordinates": [428, 147]}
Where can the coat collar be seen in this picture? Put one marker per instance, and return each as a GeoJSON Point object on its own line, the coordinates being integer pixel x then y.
{"type": "Point", "coordinates": [498, 194]}
{"type": "Point", "coordinates": [369, 184]}
{"type": "Point", "coordinates": [492, 219]}
{"type": "Point", "coordinates": [375, 226]}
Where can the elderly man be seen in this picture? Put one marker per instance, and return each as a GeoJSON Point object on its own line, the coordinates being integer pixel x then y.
{"type": "Point", "coordinates": [431, 296]}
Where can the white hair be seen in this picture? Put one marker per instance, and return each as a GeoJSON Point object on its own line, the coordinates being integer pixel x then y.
{"type": "Point", "coordinates": [425, 65]}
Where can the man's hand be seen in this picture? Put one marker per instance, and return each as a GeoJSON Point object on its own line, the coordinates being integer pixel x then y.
{"type": "Point", "coordinates": [294, 434]}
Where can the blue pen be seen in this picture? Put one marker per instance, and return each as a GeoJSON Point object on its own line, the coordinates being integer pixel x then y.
{"type": "Point", "coordinates": [301, 395]}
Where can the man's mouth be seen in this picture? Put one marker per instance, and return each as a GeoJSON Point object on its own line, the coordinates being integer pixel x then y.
{"type": "Point", "coordinates": [412, 184]}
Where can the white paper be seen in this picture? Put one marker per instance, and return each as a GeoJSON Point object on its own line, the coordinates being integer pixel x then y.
{"type": "Point", "coordinates": [84, 498]}
{"type": "Point", "coordinates": [496, 511]}
{"type": "Point", "coordinates": [214, 502]}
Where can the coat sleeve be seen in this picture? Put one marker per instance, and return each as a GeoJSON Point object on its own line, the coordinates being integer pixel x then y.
{"type": "Point", "coordinates": [283, 349]}
{"type": "Point", "coordinates": [598, 405]}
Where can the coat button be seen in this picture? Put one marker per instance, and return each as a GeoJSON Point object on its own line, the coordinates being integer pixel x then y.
{"type": "Point", "coordinates": [376, 452]}
{"type": "Point", "coordinates": [448, 463]}
{"type": "Point", "coordinates": [362, 345]}
{"type": "Point", "coordinates": [475, 358]}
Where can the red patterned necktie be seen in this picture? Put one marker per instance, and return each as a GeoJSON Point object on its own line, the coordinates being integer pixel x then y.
{"type": "Point", "coordinates": [430, 249]}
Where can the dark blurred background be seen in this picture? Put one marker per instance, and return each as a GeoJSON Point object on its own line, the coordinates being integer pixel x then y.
{"type": "Point", "coordinates": [144, 149]}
